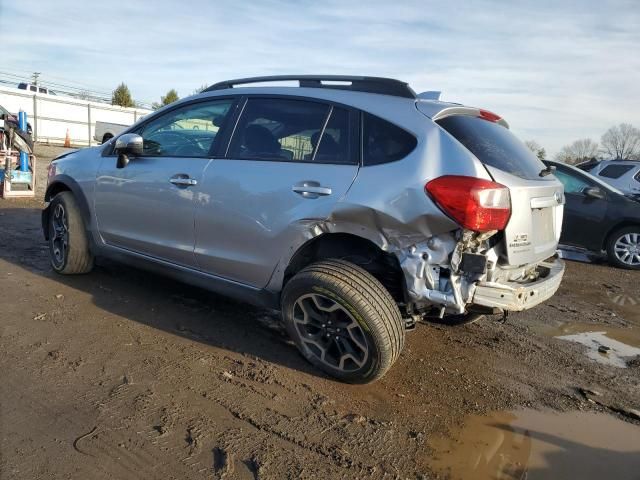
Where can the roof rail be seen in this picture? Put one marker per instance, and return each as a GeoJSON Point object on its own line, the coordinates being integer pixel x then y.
{"type": "Point", "coordinates": [384, 86]}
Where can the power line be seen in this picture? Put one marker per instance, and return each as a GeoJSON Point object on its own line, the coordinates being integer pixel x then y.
{"type": "Point", "coordinates": [66, 81]}
{"type": "Point", "coordinates": [77, 91]}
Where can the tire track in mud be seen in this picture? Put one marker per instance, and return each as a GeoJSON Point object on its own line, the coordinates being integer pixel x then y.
{"type": "Point", "coordinates": [134, 419]}
{"type": "Point", "coordinates": [136, 427]}
{"type": "Point", "coordinates": [53, 423]}
{"type": "Point", "coordinates": [350, 444]}
{"type": "Point", "coordinates": [269, 422]}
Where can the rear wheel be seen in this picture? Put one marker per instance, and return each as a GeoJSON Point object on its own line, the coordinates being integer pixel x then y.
{"type": "Point", "coordinates": [106, 138]}
{"type": "Point", "coordinates": [459, 319]}
{"type": "Point", "coordinates": [68, 243]}
{"type": "Point", "coordinates": [623, 248]}
{"type": "Point", "coordinates": [343, 321]}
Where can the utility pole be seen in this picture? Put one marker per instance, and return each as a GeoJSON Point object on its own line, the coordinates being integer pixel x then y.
{"type": "Point", "coordinates": [35, 77]}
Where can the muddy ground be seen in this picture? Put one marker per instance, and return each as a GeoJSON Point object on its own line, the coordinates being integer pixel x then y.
{"type": "Point", "coordinates": [123, 374]}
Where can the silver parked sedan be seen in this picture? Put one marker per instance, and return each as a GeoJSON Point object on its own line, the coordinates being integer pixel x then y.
{"type": "Point", "coordinates": [351, 204]}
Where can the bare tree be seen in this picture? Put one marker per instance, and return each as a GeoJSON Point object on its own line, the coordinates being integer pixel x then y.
{"type": "Point", "coordinates": [579, 151]}
{"type": "Point", "coordinates": [536, 148]}
{"type": "Point", "coordinates": [622, 142]}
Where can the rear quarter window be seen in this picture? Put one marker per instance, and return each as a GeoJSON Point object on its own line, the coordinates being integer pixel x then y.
{"type": "Point", "coordinates": [494, 145]}
{"type": "Point", "coordinates": [384, 142]}
{"type": "Point", "coordinates": [614, 171]}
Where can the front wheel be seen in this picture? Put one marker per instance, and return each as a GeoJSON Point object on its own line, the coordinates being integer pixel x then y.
{"type": "Point", "coordinates": [68, 243]}
{"type": "Point", "coordinates": [343, 321]}
{"type": "Point", "coordinates": [623, 248]}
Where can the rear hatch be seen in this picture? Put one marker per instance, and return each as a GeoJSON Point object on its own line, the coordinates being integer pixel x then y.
{"type": "Point", "coordinates": [533, 230]}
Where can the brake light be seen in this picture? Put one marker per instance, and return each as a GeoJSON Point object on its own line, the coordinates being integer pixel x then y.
{"type": "Point", "coordinates": [487, 115]}
{"type": "Point", "coordinates": [476, 204]}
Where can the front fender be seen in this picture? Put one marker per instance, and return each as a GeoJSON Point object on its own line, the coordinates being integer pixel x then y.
{"type": "Point", "coordinates": [62, 183]}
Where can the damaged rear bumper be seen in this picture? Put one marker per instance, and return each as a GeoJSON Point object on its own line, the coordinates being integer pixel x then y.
{"type": "Point", "coordinates": [514, 296]}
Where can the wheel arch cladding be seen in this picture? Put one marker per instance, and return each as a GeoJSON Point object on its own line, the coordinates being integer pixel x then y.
{"type": "Point", "coordinates": [616, 228]}
{"type": "Point", "coordinates": [64, 183]}
{"type": "Point", "coordinates": [361, 251]}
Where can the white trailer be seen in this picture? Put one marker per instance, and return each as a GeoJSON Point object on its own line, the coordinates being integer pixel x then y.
{"type": "Point", "coordinates": [51, 116]}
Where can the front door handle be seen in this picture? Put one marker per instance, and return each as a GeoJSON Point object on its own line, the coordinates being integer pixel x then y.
{"type": "Point", "coordinates": [311, 189]}
{"type": "Point", "coordinates": [183, 180]}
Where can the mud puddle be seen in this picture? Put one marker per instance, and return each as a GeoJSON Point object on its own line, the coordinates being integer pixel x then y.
{"type": "Point", "coordinates": [540, 445]}
{"type": "Point", "coordinates": [602, 348]}
{"type": "Point", "coordinates": [627, 305]}
{"type": "Point", "coordinates": [614, 346]}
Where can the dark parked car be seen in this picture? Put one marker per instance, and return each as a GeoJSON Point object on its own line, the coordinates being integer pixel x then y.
{"type": "Point", "coordinates": [599, 217]}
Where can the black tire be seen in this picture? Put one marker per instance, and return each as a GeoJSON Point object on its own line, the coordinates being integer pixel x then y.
{"type": "Point", "coordinates": [106, 138]}
{"type": "Point", "coordinates": [371, 319]}
{"type": "Point", "coordinates": [68, 243]}
{"type": "Point", "coordinates": [460, 319]}
{"type": "Point", "coordinates": [619, 239]}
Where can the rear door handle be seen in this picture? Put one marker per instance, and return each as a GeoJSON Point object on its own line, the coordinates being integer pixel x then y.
{"type": "Point", "coordinates": [311, 189]}
{"type": "Point", "coordinates": [183, 181]}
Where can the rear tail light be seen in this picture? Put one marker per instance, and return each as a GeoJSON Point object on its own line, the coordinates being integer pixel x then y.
{"type": "Point", "coordinates": [476, 204]}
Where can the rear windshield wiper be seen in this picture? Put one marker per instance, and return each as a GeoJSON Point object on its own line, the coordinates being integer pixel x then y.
{"type": "Point", "coordinates": [547, 171]}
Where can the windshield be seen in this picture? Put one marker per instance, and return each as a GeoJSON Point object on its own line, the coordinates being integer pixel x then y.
{"type": "Point", "coordinates": [494, 145]}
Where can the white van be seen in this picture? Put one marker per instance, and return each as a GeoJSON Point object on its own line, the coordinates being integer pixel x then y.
{"type": "Point", "coordinates": [34, 88]}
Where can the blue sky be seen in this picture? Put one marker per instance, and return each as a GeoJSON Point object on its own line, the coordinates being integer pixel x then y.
{"type": "Point", "coordinates": [557, 71]}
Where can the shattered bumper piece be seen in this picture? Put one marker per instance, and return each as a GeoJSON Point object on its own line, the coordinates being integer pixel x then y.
{"type": "Point", "coordinates": [514, 296]}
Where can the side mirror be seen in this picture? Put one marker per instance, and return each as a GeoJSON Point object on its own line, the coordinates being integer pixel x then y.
{"type": "Point", "coordinates": [594, 192]}
{"type": "Point", "coordinates": [128, 145]}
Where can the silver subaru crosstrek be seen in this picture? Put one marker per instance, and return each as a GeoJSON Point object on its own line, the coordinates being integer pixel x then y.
{"type": "Point", "coordinates": [351, 204]}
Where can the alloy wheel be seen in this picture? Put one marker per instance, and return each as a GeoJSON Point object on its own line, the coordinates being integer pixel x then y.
{"type": "Point", "coordinates": [627, 249]}
{"type": "Point", "coordinates": [59, 235]}
{"type": "Point", "coordinates": [330, 333]}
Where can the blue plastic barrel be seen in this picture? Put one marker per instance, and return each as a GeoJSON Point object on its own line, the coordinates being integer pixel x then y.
{"type": "Point", "coordinates": [22, 120]}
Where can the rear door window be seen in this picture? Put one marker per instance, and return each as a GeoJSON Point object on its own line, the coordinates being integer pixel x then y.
{"type": "Point", "coordinates": [614, 171]}
{"type": "Point", "coordinates": [335, 145]}
{"type": "Point", "coordinates": [384, 142]}
{"type": "Point", "coordinates": [288, 130]}
{"type": "Point", "coordinates": [494, 145]}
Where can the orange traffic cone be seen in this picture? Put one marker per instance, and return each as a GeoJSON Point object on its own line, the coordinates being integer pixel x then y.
{"type": "Point", "coordinates": [67, 140]}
